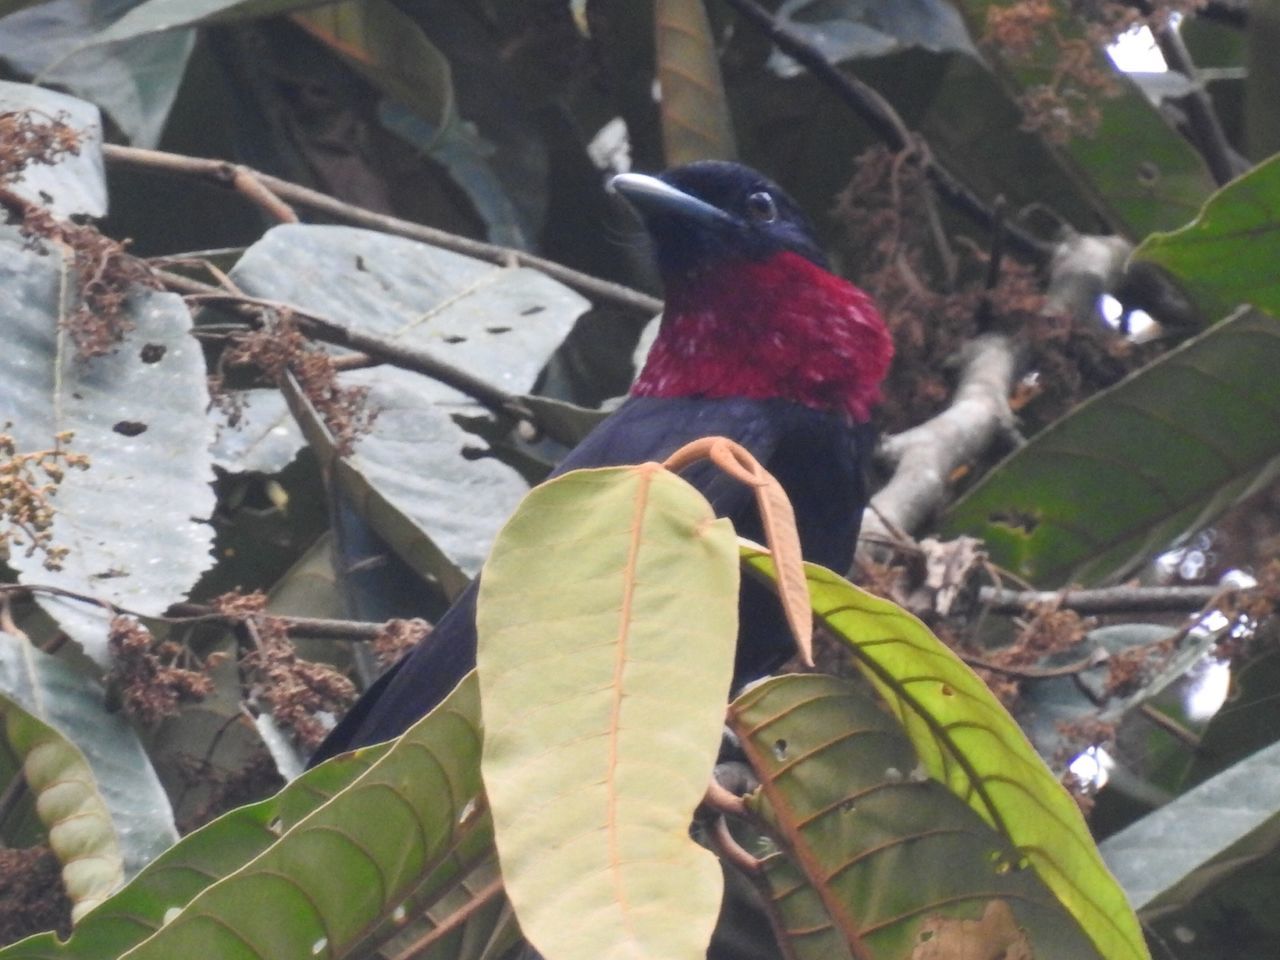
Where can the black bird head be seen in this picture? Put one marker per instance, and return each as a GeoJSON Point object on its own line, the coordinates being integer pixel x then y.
{"type": "Point", "coordinates": [752, 309]}
{"type": "Point", "coordinates": [711, 211]}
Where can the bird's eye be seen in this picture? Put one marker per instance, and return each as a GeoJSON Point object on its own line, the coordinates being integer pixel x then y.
{"type": "Point", "coordinates": [761, 207]}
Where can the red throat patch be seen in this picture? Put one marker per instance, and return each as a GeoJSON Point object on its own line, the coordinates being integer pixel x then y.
{"type": "Point", "coordinates": [781, 327]}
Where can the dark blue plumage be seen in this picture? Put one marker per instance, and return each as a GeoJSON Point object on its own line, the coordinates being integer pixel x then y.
{"type": "Point", "coordinates": [760, 344]}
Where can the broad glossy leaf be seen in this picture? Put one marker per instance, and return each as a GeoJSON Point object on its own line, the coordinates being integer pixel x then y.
{"type": "Point", "coordinates": [606, 621]}
{"type": "Point", "coordinates": [321, 869]}
{"type": "Point", "coordinates": [134, 81]}
{"type": "Point", "coordinates": [99, 797]}
{"type": "Point", "coordinates": [408, 476]}
{"type": "Point", "coordinates": [141, 451]}
{"type": "Point", "coordinates": [79, 828]}
{"type": "Point", "coordinates": [849, 29]}
{"type": "Point", "coordinates": [966, 740]}
{"type": "Point", "coordinates": [1227, 255]}
{"type": "Point", "coordinates": [1141, 173]}
{"type": "Point", "coordinates": [883, 855]}
{"type": "Point", "coordinates": [1138, 466]}
{"type": "Point", "coordinates": [695, 115]}
{"type": "Point", "coordinates": [162, 16]}
{"type": "Point", "coordinates": [1165, 866]}
{"type": "Point", "coordinates": [265, 438]}
{"type": "Point", "coordinates": [77, 183]}
{"type": "Point", "coordinates": [186, 869]}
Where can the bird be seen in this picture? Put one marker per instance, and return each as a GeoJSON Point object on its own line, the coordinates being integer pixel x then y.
{"type": "Point", "coordinates": [760, 342]}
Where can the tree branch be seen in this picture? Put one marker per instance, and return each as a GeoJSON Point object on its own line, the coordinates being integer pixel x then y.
{"type": "Point", "coordinates": [224, 173]}
{"type": "Point", "coordinates": [373, 349]}
{"type": "Point", "coordinates": [1102, 600]}
{"type": "Point", "coordinates": [889, 126]}
{"type": "Point", "coordinates": [925, 457]}
{"type": "Point", "coordinates": [322, 628]}
{"type": "Point", "coordinates": [1206, 129]}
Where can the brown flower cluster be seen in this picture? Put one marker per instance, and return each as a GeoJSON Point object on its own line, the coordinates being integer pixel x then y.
{"type": "Point", "coordinates": [296, 689]}
{"type": "Point", "coordinates": [145, 671]}
{"type": "Point", "coordinates": [279, 348]}
{"type": "Point", "coordinates": [932, 290]}
{"type": "Point", "coordinates": [28, 483]}
{"type": "Point", "coordinates": [28, 136]}
{"type": "Point", "coordinates": [1067, 39]}
{"type": "Point", "coordinates": [398, 637]}
{"type": "Point", "coordinates": [103, 269]}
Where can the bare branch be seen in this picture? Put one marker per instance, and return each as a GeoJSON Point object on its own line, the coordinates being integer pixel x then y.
{"type": "Point", "coordinates": [925, 457]}
{"type": "Point", "coordinates": [889, 126]}
{"type": "Point", "coordinates": [1102, 600]}
{"type": "Point", "coordinates": [223, 173]}
{"type": "Point", "coordinates": [1206, 129]}
{"type": "Point", "coordinates": [373, 349]}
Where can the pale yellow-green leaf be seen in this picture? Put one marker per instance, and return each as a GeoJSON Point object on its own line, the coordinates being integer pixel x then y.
{"type": "Point", "coordinates": [968, 741]}
{"type": "Point", "coordinates": [69, 805]}
{"type": "Point", "coordinates": [607, 621]}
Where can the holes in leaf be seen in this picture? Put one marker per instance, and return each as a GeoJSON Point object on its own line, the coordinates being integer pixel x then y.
{"type": "Point", "coordinates": [319, 946]}
{"type": "Point", "coordinates": [1148, 173]}
{"type": "Point", "coordinates": [530, 311]}
{"type": "Point", "coordinates": [780, 749]}
{"type": "Point", "coordinates": [1022, 521]}
{"type": "Point", "coordinates": [130, 428]}
{"type": "Point", "coordinates": [454, 338]}
{"type": "Point", "coordinates": [946, 690]}
{"type": "Point", "coordinates": [153, 352]}
{"type": "Point", "coordinates": [497, 330]}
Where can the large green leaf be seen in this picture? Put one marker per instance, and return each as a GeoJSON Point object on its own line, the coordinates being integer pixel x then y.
{"type": "Point", "coordinates": [1137, 466]}
{"type": "Point", "coordinates": [98, 796]}
{"type": "Point", "coordinates": [189, 867]}
{"type": "Point", "coordinates": [695, 115]}
{"type": "Point", "coordinates": [1163, 866]}
{"type": "Point", "coordinates": [606, 621]}
{"type": "Point", "coordinates": [1228, 254]}
{"type": "Point", "coordinates": [76, 821]}
{"type": "Point", "coordinates": [893, 858]}
{"type": "Point", "coordinates": [332, 866]}
{"type": "Point", "coordinates": [134, 81]}
{"type": "Point", "coordinates": [77, 183]}
{"type": "Point", "coordinates": [847, 29]}
{"type": "Point", "coordinates": [1185, 880]}
{"type": "Point", "coordinates": [265, 438]}
{"type": "Point", "coordinates": [1141, 174]}
{"type": "Point", "coordinates": [163, 16]}
{"type": "Point", "coordinates": [408, 475]}
{"type": "Point", "coordinates": [967, 740]}
{"type": "Point", "coordinates": [142, 452]}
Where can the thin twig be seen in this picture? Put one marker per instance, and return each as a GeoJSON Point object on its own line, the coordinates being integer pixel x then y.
{"type": "Point", "coordinates": [217, 172]}
{"type": "Point", "coordinates": [482, 898]}
{"type": "Point", "coordinates": [373, 349]}
{"type": "Point", "coordinates": [1224, 163]}
{"type": "Point", "coordinates": [251, 185]}
{"type": "Point", "coordinates": [1102, 600]}
{"type": "Point", "coordinates": [1169, 725]}
{"type": "Point", "coordinates": [321, 628]}
{"type": "Point", "coordinates": [1031, 673]}
{"type": "Point", "coordinates": [889, 126]}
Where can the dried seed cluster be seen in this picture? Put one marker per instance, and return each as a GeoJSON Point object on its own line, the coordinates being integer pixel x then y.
{"type": "Point", "coordinates": [28, 484]}
{"type": "Point", "coordinates": [1068, 103]}
{"type": "Point", "coordinates": [146, 673]}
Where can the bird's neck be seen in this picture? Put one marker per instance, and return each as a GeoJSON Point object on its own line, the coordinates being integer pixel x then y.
{"type": "Point", "coordinates": [776, 328]}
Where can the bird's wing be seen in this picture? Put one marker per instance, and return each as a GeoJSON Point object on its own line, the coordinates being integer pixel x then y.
{"type": "Point", "coordinates": [642, 429]}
